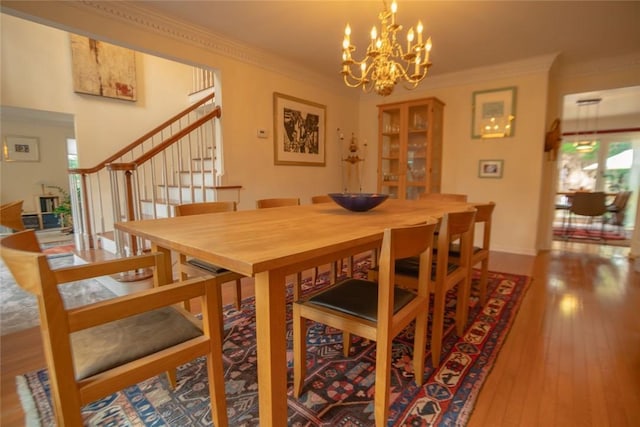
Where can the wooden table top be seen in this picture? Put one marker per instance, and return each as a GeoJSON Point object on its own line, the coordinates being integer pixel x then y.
{"type": "Point", "coordinates": [252, 241]}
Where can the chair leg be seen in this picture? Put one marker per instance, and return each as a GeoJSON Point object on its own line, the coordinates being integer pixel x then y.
{"type": "Point", "coordinates": [238, 296]}
{"type": "Point", "coordinates": [420, 344]}
{"type": "Point", "coordinates": [383, 380]}
{"type": "Point", "coordinates": [213, 322]}
{"type": "Point", "coordinates": [299, 351]}
{"type": "Point", "coordinates": [484, 278]}
{"type": "Point", "coordinates": [437, 327]}
{"type": "Point", "coordinates": [333, 275]}
{"type": "Point", "coordinates": [172, 378]}
{"type": "Point", "coordinates": [346, 343]}
{"type": "Point", "coordinates": [68, 411]}
{"type": "Point", "coordinates": [462, 304]}
{"type": "Point", "coordinates": [297, 287]}
{"type": "Point", "coordinates": [184, 276]}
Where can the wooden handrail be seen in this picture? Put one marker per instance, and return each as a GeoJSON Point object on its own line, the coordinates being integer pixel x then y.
{"type": "Point", "coordinates": [217, 112]}
{"type": "Point", "coordinates": [143, 138]}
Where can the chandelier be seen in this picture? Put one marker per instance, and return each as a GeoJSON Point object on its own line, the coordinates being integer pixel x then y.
{"type": "Point", "coordinates": [583, 143]}
{"type": "Point", "coordinates": [385, 62]}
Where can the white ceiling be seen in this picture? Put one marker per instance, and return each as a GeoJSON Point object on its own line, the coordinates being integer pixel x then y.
{"type": "Point", "coordinates": [466, 34]}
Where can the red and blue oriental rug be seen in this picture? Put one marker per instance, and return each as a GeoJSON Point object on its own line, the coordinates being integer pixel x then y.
{"type": "Point", "coordinates": [338, 391]}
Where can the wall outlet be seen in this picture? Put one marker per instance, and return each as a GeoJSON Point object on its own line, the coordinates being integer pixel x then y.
{"type": "Point", "coordinates": [262, 133]}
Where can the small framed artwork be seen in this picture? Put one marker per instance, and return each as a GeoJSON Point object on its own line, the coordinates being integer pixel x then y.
{"type": "Point", "coordinates": [494, 113]}
{"type": "Point", "coordinates": [490, 168]}
{"type": "Point", "coordinates": [21, 149]}
{"type": "Point", "coordinates": [299, 131]}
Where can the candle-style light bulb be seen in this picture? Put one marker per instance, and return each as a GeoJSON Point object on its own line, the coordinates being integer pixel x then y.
{"type": "Point", "coordinates": [410, 36]}
{"type": "Point", "coordinates": [419, 28]}
{"type": "Point", "coordinates": [347, 30]}
{"type": "Point", "coordinates": [426, 59]}
{"type": "Point", "coordinates": [394, 9]}
{"type": "Point", "coordinates": [374, 33]}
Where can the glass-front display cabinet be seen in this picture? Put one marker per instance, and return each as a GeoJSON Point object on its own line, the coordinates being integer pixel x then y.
{"type": "Point", "coordinates": [410, 147]}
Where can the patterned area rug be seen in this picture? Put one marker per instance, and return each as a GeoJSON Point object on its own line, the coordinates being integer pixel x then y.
{"type": "Point", "coordinates": [19, 308]}
{"type": "Point", "coordinates": [582, 235]}
{"type": "Point", "coordinates": [338, 391]}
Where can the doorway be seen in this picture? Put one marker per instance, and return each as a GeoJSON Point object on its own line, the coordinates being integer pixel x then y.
{"type": "Point", "coordinates": [600, 151]}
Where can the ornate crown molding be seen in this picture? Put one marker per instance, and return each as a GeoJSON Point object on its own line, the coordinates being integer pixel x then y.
{"type": "Point", "coordinates": [150, 21]}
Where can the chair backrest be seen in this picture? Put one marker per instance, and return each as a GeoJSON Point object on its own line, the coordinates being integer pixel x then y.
{"type": "Point", "coordinates": [276, 203]}
{"type": "Point", "coordinates": [449, 197]}
{"type": "Point", "coordinates": [484, 213]}
{"type": "Point", "coordinates": [588, 204]}
{"type": "Point", "coordinates": [321, 199]}
{"type": "Point", "coordinates": [11, 215]}
{"type": "Point", "coordinates": [398, 243]}
{"type": "Point", "coordinates": [204, 208]}
{"type": "Point", "coordinates": [621, 200]}
{"type": "Point", "coordinates": [453, 226]}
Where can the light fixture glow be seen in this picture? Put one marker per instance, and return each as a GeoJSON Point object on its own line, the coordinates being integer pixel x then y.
{"type": "Point", "coordinates": [385, 63]}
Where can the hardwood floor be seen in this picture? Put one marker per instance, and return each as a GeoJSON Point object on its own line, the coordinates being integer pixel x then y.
{"type": "Point", "coordinates": [572, 357]}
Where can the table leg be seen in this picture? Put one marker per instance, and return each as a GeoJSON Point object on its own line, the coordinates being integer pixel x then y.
{"type": "Point", "coordinates": [271, 326]}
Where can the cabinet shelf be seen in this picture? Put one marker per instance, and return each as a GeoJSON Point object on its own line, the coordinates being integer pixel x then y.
{"type": "Point", "coordinates": [417, 166]}
{"type": "Point", "coordinates": [45, 217]}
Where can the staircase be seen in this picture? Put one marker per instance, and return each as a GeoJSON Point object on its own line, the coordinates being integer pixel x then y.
{"type": "Point", "coordinates": [177, 162]}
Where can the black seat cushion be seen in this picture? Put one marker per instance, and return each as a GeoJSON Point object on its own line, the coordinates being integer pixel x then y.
{"type": "Point", "coordinates": [206, 266]}
{"type": "Point", "coordinates": [454, 250]}
{"type": "Point", "coordinates": [359, 298]}
{"type": "Point", "coordinates": [411, 267]}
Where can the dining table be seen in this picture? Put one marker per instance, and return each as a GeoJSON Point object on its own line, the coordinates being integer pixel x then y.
{"type": "Point", "coordinates": [269, 244]}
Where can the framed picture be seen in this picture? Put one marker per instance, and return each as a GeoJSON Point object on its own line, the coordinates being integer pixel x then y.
{"type": "Point", "coordinates": [494, 113]}
{"type": "Point", "coordinates": [490, 168]}
{"type": "Point", "coordinates": [299, 131]}
{"type": "Point", "coordinates": [103, 69]}
{"type": "Point", "coordinates": [21, 149]}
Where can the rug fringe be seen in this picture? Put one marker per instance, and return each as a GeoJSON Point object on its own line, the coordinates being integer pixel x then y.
{"type": "Point", "coordinates": [31, 414]}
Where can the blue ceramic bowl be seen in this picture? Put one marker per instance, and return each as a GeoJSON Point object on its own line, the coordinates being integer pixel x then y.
{"type": "Point", "coordinates": [358, 202]}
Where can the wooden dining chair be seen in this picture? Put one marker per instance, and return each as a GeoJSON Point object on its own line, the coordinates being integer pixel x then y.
{"type": "Point", "coordinates": [449, 197]}
{"type": "Point", "coordinates": [190, 267]}
{"type": "Point", "coordinates": [479, 253]}
{"type": "Point", "coordinates": [278, 203]}
{"type": "Point", "coordinates": [377, 311]}
{"type": "Point", "coordinates": [11, 215]}
{"type": "Point", "coordinates": [454, 226]}
{"type": "Point", "coordinates": [97, 349]}
{"type": "Point", "coordinates": [336, 266]}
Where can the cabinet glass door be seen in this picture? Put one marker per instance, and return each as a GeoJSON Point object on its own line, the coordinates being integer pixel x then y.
{"type": "Point", "coordinates": [416, 167]}
{"type": "Point", "coordinates": [390, 171]}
